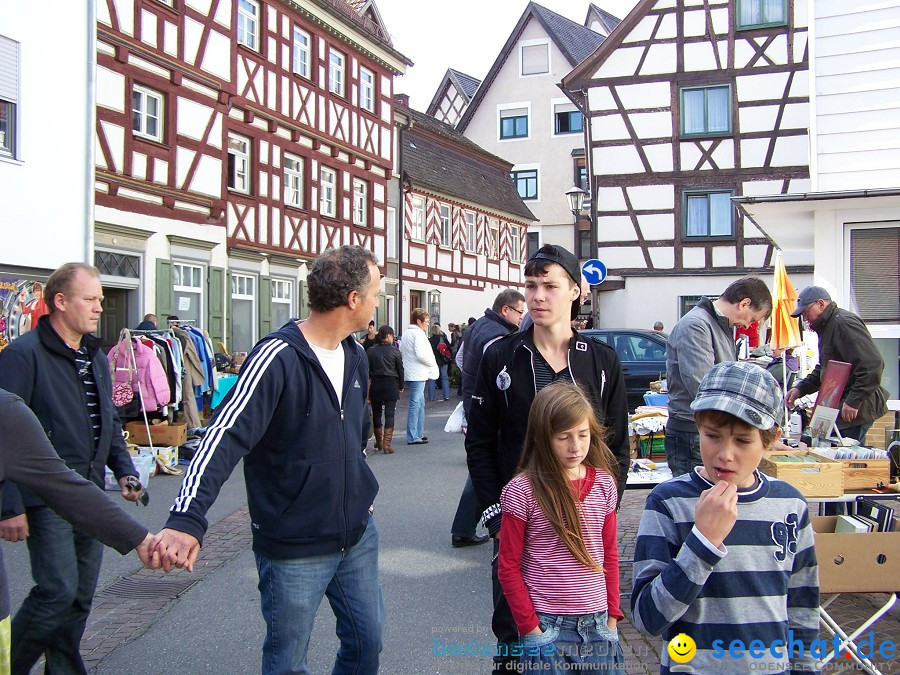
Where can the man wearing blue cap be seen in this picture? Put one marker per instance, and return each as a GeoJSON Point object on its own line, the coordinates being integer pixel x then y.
{"type": "Point", "coordinates": [843, 337]}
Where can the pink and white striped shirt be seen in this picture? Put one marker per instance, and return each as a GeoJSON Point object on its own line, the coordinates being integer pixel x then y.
{"type": "Point", "coordinates": [537, 571]}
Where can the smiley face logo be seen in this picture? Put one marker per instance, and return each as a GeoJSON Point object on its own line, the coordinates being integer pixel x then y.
{"type": "Point", "coordinates": [682, 648]}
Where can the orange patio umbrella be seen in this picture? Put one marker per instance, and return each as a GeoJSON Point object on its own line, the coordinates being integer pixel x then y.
{"type": "Point", "coordinates": [785, 328]}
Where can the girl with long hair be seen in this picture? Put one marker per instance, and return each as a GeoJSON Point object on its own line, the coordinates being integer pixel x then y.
{"type": "Point", "coordinates": [558, 561]}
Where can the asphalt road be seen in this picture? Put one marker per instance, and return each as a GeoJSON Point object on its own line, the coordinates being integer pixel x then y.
{"type": "Point", "coordinates": [437, 598]}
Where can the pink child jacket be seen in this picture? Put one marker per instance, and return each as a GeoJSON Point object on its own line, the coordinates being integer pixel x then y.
{"type": "Point", "coordinates": [150, 373]}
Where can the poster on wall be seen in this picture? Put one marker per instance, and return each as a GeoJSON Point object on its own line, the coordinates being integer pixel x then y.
{"type": "Point", "coordinates": [21, 305]}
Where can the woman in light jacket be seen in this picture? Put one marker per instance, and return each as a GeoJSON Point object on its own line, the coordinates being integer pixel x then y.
{"type": "Point", "coordinates": [419, 366]}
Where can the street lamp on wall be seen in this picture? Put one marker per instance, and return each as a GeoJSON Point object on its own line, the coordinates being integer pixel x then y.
{"type": "Point", "coordinates": [575, 196]}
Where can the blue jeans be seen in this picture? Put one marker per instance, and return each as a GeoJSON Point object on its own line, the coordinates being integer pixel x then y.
{"type": "Point", "coordinates": [444, 379]}
{"type": "Point", "coordinates": [65, 565]}
{"type": "Point", "coordinates": [573, 643]}
{"type": "Point", "coordinates": [682, 451]}
{"type": "Point", "coordinates": [291, 591]}
{"type": "Point", "coordinates": [415, 418]}
{"type": "Point", "coordinates": [468, 512]}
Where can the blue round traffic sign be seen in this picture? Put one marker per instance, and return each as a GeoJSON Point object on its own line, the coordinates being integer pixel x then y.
{"type": "Point", "coordinates": [594, 271]}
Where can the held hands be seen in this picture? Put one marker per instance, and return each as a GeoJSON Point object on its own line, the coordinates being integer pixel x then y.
{"type": "Point", "coordinates": [14, 529]}
{"type": "Point", "coordinates": [716, 512]}
{"type": "Point", "coordinates": [175, 547]}
{"type": "Point", "coordinates": [145, 550]}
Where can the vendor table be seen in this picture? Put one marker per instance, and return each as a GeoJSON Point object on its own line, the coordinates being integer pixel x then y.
{"type": "Point", "coordinates": [641, 480]}
{"type": "Point", "coordinates": [884, 583]}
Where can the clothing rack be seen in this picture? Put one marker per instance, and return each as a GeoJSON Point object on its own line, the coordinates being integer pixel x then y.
{"type": "Point", "coordinates": [125, 335]}
{"type": "Point", "coordinates": [180, 321]}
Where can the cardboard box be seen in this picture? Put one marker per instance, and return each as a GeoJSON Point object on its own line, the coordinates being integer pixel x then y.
{"type": "Point", "coordinates": [818, 477]}
{"type": "Point", "coordinates": [634, 443]}
{"type": "Point", "coordinates": [856, 563]}
{"type": "Point", "coordinates": [163, 434]}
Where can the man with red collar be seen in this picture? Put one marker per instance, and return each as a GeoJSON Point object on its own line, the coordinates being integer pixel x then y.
{"type": "Point", "coordinates": [512, 371]}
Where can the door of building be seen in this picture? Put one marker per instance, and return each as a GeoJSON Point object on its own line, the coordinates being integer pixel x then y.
{"type": "Point", "coordinates": [114, 317]}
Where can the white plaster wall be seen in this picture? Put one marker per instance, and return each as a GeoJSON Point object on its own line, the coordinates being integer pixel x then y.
{"type": "Point", "coordinates": [157, 245]}
{"type": "Point", "coordinates": [57, 232]}
{"type": "Point", "coordinates": [553, 153]}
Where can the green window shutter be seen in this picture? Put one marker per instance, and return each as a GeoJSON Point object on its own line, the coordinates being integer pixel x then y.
{"type": "Point", "coordinates": [303, 309]}
{"type": "Point", "coordinates": [165, 289]}
{"type": "Point", "coordinates": [228, 310]}
{"type": "Point", "coordinates": [265, 306]}
{"type": "Point", "coordinates": [216, 313]}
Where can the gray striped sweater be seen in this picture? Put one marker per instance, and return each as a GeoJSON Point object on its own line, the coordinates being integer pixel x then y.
{"type": "Point", "coordinates": [762, 585]}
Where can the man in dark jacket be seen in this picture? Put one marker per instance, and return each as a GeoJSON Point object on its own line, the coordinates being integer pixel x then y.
{"type": "Point", "coordinates": [61, 374]}
{"type": "Point", "coordinates": [512, 370]}
{"type": "Point", "coordinates": [843, 337]}
{"type": "Point", "coordinates": [502, 318]}
{"type": "Point", "coordinates": [298, 418]}
{"type": "Point", "coordinates": [440, 345]}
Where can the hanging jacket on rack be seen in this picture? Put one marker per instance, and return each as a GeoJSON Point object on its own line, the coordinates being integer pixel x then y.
{"type": "Point", "coordinates": [146, 371]}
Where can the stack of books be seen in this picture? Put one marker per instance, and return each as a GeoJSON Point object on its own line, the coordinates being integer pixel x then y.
{"type": "Point", "coordinates": [870, 516]}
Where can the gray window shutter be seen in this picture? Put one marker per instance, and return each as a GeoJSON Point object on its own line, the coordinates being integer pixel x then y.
{"type": "Point", "coordinates": [875, 274]}
{"type": "Point", "coordinates": [216, 306]}
{"type": "Point", "coordinates": [535, 59]}
{"type": "Point", "coordinates": [302, 308]}
{"type": "Point", "coordinates": [265, 306]}
{"type": "Point", "coordinates": [165, 288]}
{"type": "Point", "coordinates": [229, 312]}
{"type": "Point", "coordinates": [9, 69]}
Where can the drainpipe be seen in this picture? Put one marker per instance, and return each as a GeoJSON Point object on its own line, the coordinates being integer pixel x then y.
{"type": "Point", "coordinates": [90, 131]}
{"type": "Point", "coordinates": [400, 221]}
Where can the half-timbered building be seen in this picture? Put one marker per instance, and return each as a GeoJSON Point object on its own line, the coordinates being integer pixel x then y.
{"type": "Point", "coordinates": [519, 113]}
{"type": "Point", "coordinates": [848, 224]}
{"type": "Point", "coordinates": [691, 104]}
{"type": "Point", "coordinates": [235, 140]}
{"type": "Point", "coordinates": [464, 223]}
{"type": "Point", "coordinates": [452, 97]}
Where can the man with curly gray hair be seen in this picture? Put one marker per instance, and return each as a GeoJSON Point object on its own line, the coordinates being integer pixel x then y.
{"type": "Point", "coordinates": [298, 418]}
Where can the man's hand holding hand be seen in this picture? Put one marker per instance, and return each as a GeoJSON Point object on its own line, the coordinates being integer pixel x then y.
{"type": "Point", "coordinates": [15, 528]}
{"type": "Point", "coordinates": [716, 512]}
{"type": "Point", "coordinates": [176, 548]}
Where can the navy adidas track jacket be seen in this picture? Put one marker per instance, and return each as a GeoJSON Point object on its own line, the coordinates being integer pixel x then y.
{"type": "Point", "coordinates": [309, 488]}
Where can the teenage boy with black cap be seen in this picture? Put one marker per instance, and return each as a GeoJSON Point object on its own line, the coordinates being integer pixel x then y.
{"type": "Point", "coordinates": [512, 371]}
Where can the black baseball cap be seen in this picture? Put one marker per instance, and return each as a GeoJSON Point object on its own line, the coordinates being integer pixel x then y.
{"type": "Point", "coordinates": [808, 296]}
{"type": "Point", "coordinates": [566, 260]}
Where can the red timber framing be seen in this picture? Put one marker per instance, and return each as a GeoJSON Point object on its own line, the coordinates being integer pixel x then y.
{"type": "Point", "coordinates": [210, 86]}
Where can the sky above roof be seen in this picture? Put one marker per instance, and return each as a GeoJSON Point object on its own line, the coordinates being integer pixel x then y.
{"type": "Point", "coordinates": [465, 35]}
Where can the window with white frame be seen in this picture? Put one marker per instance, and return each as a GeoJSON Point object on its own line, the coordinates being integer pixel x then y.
{"type": "Point", "coordinates": [188, 289]}
{"type": "Point", "coordinates": [875, 273]}
{"type": "Point", "coordinates": [526, 183]}
{"type": "Point", "coordinates": [470, 230]}
{"type": "Point", "coordinates": [293, 181]}
{"type": "Point", "coordinates": [238, 163]}
{"type": "Point", "coordinates": [444, 212]}
{"type": "Point", "coordinates": [708, 213]}
{"type": "Point", "coordinates": [282, 302]}
{"type": "Point", "coordinates": [146, 113]}
{"type": "Point", "coordinates": [566, 119]}
{"type": "Point", "coordinates": [243, 312]}
{"type": "Point", "coordinates": [336, 62]}
{"type": "Point", "coordinates": [417, 226]}
{"type": "Point", "coordinates": [706, 110]}
{"type": "Point", "coordinates": [248, 23]}
{"type": "Point", "coordinates": [515, 243]}
{"type": "Point", "coordinates": [535, 59]}
{"type": "Point", "coordinates": [366, 90]}
{"type": "Point", "coordinates": [761, 13]}
{"type": "Point", "coordinates": [360, 202]}
{"type": "Point", "coordinates": [514, 123]}
{"type": "Point", "coordinates": [7, 128]}
{"type": "Point", "coordinates": [9, 93]}
{"type": "Point", "coordinates": [302, 52]}
{"type": "Point", "coordinates": [327, 192]}
{"type": "Point", "coordinates": [493, 238]}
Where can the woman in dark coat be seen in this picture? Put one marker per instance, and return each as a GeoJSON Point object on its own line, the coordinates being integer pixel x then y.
{"type": "Point", "coordinates": [386, 373]}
